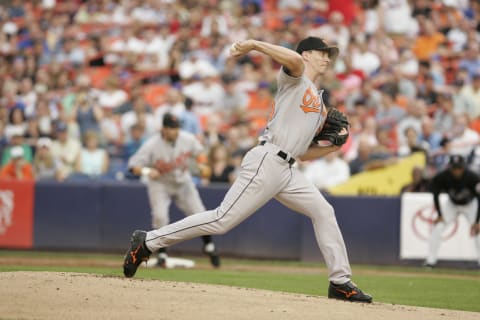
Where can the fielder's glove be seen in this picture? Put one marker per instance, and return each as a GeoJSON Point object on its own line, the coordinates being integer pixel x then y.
{"type": "Point", "coordinates": [334, 130]}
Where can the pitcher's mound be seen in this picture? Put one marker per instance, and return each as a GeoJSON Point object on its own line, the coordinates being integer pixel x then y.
{"type": "Point", "coordinates": [58, 295]}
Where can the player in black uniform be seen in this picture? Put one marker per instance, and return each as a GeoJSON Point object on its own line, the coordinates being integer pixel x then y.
{"type": "Point", "coordinates": [463, 189]}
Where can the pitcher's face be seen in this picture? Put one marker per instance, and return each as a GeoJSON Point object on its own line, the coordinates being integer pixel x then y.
{"type": "Point", "coordinates": [319, 60]}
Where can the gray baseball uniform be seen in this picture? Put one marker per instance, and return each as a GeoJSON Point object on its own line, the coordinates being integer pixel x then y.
{"type": "Point", "coordinates": [266, 172]}
{"type": "Point", "coordinates": [175, 181]}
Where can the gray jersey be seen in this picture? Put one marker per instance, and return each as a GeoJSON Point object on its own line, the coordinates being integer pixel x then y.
{"type": "Point", "coordinates": [298, 113]}
{"type": "Point", "coordinates": [171, 160]}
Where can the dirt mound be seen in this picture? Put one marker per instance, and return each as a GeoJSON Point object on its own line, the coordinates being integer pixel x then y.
{"type": "Point", "coordinates": [61, 295]}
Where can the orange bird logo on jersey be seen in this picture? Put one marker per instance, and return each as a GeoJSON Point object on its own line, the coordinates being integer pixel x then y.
{"type": "Point", "coordinates": [311, 101]}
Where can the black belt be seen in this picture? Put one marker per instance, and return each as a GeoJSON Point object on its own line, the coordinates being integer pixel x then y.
{"type": "Point", "coordinates": [281, 154]}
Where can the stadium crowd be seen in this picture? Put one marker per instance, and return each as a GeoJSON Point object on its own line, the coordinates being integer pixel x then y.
{"type": "Point", "coordinates": [84, 82]}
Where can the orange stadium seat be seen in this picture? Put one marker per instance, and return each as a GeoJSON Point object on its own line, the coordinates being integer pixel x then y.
{"type": "Point", "coordinates": [154, 94]}
{"type": "Point", "coordinates": [98, 75]}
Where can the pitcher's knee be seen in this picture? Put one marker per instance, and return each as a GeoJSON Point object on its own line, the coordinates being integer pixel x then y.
{"type": "Point", "coordinates": [222, 227]}
{"type": "Point", "coordinates": [222, 224]}
{"type": "Point", "coordinates": [325, 212]}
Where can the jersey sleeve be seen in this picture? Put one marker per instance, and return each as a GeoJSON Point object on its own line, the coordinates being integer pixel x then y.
{"type": "Point", "coordinates": [284, 80]}
{"type": "Point", "coordinates": [143, 156]}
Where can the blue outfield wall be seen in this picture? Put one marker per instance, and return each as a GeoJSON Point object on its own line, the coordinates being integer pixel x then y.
{"type": "Point", "coordinates": [101, 216]}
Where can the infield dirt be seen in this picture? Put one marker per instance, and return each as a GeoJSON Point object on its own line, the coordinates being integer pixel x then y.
{"type": "Point", "coordinates": [61, 295]}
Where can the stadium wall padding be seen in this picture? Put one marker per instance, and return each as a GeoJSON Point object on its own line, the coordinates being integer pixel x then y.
{"type": "Point", "coordinates": [101, 217]}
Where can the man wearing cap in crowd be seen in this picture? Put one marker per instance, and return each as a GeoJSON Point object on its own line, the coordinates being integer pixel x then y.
{"type": "Point", "coordinates": [17, 168]}
{"type": "Point", "coordinates": [45, 165]}
{"type": "Point", "coordinates": [66, 149]}
{"type": "Point", "coordinates": [462, 187]}
{"type": "Point", "coordinates": [17, 140]}
{"type": "Point", "coordinates": [166, 161]}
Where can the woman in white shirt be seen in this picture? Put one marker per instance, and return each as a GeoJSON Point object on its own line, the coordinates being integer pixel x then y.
{"type": "Point", "coordinates": [92, 161]}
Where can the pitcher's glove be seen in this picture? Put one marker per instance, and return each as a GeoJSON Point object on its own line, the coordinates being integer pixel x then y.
{"type": "Point", "coordinates": [334, 130]}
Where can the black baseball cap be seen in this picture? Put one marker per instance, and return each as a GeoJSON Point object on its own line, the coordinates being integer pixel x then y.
{"type": "Point", "coordinates": [456, 161]}
{"type": "Point", "coordinates": [170, 121]}
{"type": "Point", "coordinates": [314, 43]}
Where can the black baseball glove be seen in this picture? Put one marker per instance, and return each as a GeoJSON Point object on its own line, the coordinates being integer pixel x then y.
{"type": "Point", "coordinates": [334, 130]}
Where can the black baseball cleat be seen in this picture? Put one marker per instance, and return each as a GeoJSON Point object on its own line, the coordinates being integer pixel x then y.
{"type": "Point", "coordinates": [348, 292]}
{"type": "Point", "coordinates": [136, 254]}
{"type": "Point", "coordinates": [209, 249]}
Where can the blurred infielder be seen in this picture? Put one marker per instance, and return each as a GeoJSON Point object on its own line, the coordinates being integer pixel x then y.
{"type": "Point", "coordinates": [462, 187]}
{"type": "Point", "coordinates": [167, 159]}
{"type": "Point", "coordinates": [298, 120]}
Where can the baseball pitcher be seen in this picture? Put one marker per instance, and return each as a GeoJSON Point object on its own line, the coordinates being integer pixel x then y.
{"type": "Point", "coordinates": [166, 160]}
{"type": "Point", "coordinates": [295, 130]}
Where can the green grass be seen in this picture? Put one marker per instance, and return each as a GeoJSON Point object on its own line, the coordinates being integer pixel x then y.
{"type": "Point", "coordinates": [443, 288]}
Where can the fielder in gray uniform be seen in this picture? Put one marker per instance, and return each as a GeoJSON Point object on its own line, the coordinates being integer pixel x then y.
{"type": "Point", "coordinates": [167, 159]}
{"type": "Point", "coordinates": [267, 172]}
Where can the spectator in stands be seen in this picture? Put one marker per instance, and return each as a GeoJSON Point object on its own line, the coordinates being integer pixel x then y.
{"type": "Point", "coordinates": [427, 91]}
{"type": "Point", "coordinates": [387, 142]}
{"type": "Point", "coordinates": [389, 113]}
{"type": "Point", "coordinates": [428, 42]}
{"type": "Point", "coordinates": [458, 35]}
{"type": "Point", "coordinates": [32, 134]}
{"type": "Point", "coordinates": [17, 141]}
{"type": "Point", "coordinates": [463, 103]}
{"type": "Point", "coordinates": [136, 91]}
{"type": "Point", "coordinates": [195, 65]}
{"type": "Point", "coordinates": [134, 141]}
{"type": "Point", "coordinates": [334, 31]}
{"type": "Point", "coordinates": [45, 165]}
{"type": "Point", "coordinates": [419, 182]}
{"type": "Point", "coordinates": [214, 24]}
{"type": "Point", "coordinates": [113, 96]}
{"type": "Point", "coordinates": [88, 114]}
{"type": "Point", "coordinates": [428, 136]}
{"type": "Point", "coordinates": [173, 103]}
{"type": "Point", "coordinates": [17, 123]}
{"type": "Point", "coordinates": [438, 159]}
{"type": "Point", "coordinates": [65, 149]}
{"type": "Point", "coordinates": [93, 161]}
{"type": "Point", "coordinates": [207, 93]}
{"type": "Point", "coordinates": [44, 117]}
{"type": "Point", "coordinates": [364, 59]}
{"type": "Point", "coordinates": [412, 143]}
{"type": "Point", "coordinates": [17, 168]}
{"type": "Point", "coordinates": [395, 17]}
{"type": "Point", "coordinates": [212, 134]}
{"type": "Point", "coordinates": [382, 45]}
{"type": "Point", "coordinates": [446, 16]}
{"type": "Point", "coordinates": [327, 172]}
{"type": "Point", "coordinates": [471, 59]}
{"type": "Point", "coordinates": [189, 120]}
{"type": "Point", "coordinates": [222, 169]}
{"type": "Point", "coordinates": [472, 92]}
{"type": "Point", "coordinates": [139, 114]}
{"type": "Point", "coordinates": [28, 96]}
{"type": "Point", "coordinates": [416, 111]}
{"type": "Point", "coordinates": [443, 116]}
{"type": "Point", "coordinates": [462, 138]}
{"type": "Point", "coordinates": [234, 101]}
{"type": "Point", "coordinates": [367, 93]}
{"type": "Point", "coordinates": [369, 159]}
